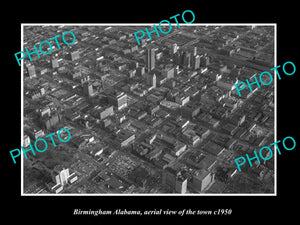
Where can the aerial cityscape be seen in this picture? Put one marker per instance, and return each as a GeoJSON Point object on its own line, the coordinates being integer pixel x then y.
{"type": "Point", "coordinates": [163, 117]}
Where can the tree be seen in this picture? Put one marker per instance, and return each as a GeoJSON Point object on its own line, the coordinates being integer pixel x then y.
{"type": "Point", "coordinates": [221, 174]}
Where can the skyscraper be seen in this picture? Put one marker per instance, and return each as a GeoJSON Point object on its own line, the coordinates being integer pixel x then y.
{"type": "Point", "coordinates": [140, 71]}
{"type": "Point", "coordinates": [152, 80]}
{"type": "Point", "coordinates": [118, 99]}
{"type": "Point", "coordinates": [186, 59]}
{"type": "Point", "coordinates": [150, 59]}
{"type": "Point", "coordinates": [61, 175]}
{"type": "Point", "coordinates": [204, 60]}
{"type": "Point", "coordinates": [195, 50]}
{"type": "Point", "coordinates": [88, 89]}
{"type": "Point", "coordinates": [196, 62]}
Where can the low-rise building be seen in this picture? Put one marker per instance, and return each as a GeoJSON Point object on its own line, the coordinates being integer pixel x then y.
{"type": "Point", "coordinates": [125, 137]}
{"type": "Point", "coordinates": [213, 148]}
{"type": "Point", "coordinates": [191, 137]}
{"type": "Point", "coordinates": [201, 180]}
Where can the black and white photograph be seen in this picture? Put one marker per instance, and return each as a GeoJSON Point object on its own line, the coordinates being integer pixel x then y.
{"type": "Point", "coordinates": [133, 113]}
{"type": "Point", "coordinates": [162, 117]}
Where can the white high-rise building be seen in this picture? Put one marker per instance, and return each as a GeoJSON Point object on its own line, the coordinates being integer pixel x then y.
{"type": "Point", "coordinates": [61, 175]}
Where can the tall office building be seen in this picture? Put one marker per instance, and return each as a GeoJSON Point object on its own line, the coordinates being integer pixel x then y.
{"type": "Point", "coordinates": [186, 59]}
{"type": "Point", "coordinates": [152, 80]}
{"type": "Point", "coordinates": [168, 72]}
{"type": "Point", "coordinates": [61, 176]}
{"type": "Point", "coordinates": [106, 112]}
{"type": "Point", "coordinates": [88, 89]}
{"type": "Point", "coordinates": [121, 100]}
{"type": "Point", "coordinates": [177, 57]}
{"type": "Point", "coordinates": [195, 51]}
{"type": "Point", "coordinates": [196, 62]}
{"type": "Point", "coordinates": [118, 99]}
{"type": "Point", "coordinates": [51, 121]}
{"type": "Point", "coordinates": [183, 59]}
{"type": "Point", "coordinates": [150, 59]}
{"type": "Point", "coordinates": [204, 60]}
{"type": "Point", "coordinates": [140, 71]}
